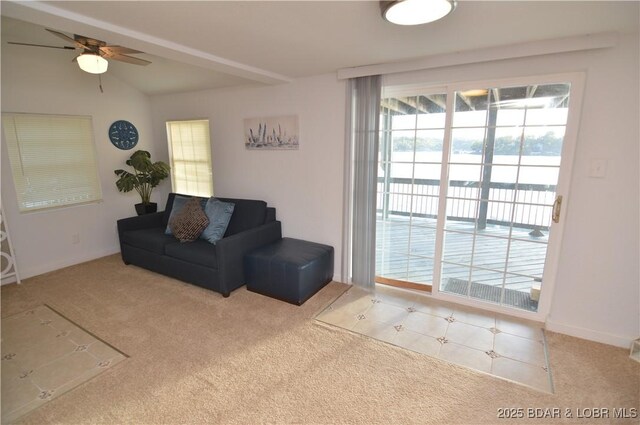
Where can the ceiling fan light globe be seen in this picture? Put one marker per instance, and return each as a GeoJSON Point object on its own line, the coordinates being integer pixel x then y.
{"type": "Point", "coordinates": [93, 64]}
{"type": "Point", "coordinates": [416, 12]}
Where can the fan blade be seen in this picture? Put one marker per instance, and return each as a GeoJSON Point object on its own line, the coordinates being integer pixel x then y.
{"type": "Point", "coordinates": [128, 59]}
{"type": "Point", "coordinates": [118, 50]}
{"type": "Point", "coordinates": [68, 39]}
{"type": "Point", "coordinates": [42, 45]}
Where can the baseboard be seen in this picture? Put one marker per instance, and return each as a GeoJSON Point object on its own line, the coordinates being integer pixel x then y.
{"type": "Point", "coordinates": [49, 267]}
{"type": "Point", "coordinates": [339, 279]}
{"type": "Point", "coordinates": [590, 334]}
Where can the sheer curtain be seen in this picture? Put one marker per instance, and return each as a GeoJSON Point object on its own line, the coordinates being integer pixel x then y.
{"type": "Point", "coordinates": [361, 173]}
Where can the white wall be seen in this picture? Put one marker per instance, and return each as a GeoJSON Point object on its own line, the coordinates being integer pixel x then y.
{"type": "Point", "coordinates": [598, 294]}
{"type": "Point", "coordinates": [47, 82]}
{"type": "Point", "coordinates": [305, 185]}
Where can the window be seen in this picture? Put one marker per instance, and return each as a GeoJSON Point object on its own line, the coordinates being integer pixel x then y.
{"type": "Point", "coordinates": [190, 155]}
{"type": "Point", "coordinates": [53, 160]}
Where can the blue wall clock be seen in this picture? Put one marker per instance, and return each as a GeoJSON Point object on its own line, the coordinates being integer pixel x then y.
{"type": "Point", "coordinates": [123, 135]}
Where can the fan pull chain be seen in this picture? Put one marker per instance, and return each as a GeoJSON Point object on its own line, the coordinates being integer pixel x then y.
{"type": "Point", "coordinates": [100, 81]}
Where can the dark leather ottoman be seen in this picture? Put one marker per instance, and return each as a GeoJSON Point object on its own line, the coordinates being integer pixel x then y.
{"type": "Point", "coordinates": [290, 270]}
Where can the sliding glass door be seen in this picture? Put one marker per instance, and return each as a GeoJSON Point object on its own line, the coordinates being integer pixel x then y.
{"type": "Point", "coordinates": [409, 168]}
{"type": "Point", "coordinates": [468, 190]}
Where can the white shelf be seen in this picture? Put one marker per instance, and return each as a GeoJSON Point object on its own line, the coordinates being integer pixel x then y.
{"type": "Point", "coordinates": [9, 272]}
{"type": "Point", "coordinates": [635, 350]}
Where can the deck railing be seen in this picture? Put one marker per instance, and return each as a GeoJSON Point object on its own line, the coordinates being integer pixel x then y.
{"type": "Point", "coordinates": [526, 205]}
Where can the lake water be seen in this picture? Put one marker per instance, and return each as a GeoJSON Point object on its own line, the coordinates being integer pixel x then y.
{"type": "Point", "coordinates": [467, 167]}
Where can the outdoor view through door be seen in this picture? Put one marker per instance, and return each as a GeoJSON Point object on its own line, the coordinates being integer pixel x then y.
{"type": "Point", "coordinates": [467, 190]}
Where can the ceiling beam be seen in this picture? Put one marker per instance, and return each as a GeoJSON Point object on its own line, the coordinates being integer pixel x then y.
{"type": "Point", "coordinates": [561, 101]}
{"type": "Point", "coordinates": [397, 105]}
{"type": "Point", "coordinates": [496, 96]}
{"type": "Point", "coordinates": [440, 102]}
{"type": "Point", "coordinates": [466, 101]}
{"type": "Point", "coordinates": [412, 105]}
{"type": "Point", "coordinates": [49, 15]}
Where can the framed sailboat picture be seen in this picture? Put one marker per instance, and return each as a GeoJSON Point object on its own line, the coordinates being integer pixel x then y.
{"type": "Point", "coordinates": [280, 133]}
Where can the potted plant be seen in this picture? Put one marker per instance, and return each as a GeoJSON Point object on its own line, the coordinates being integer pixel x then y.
{"type": "Point", "coordinates": [146, 175]}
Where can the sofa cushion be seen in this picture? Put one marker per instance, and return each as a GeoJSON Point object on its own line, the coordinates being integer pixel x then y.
{"type": "Point", "coordinates": [247, 214]}
{"type": "Point", "coordinates": [198, 252]}
{"type": "Point", "coordinates": [188, 224]}
{"type": "Point", "coordinates": [219, 214]}
{"type": "Point", "coordinates": [152, 239]}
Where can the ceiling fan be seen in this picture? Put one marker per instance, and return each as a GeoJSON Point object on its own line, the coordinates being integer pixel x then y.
{"type": "Point", "coordinates": [94, 55]}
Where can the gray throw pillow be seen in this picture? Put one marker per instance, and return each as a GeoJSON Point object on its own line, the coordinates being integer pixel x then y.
{"type": "Point", "coordinates": [219, 214]}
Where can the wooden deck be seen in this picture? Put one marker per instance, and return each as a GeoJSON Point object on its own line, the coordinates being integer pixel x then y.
{"type": "Point", "coordinates": [406, 249]}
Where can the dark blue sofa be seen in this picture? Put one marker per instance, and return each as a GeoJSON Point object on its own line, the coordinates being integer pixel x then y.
{"type": "Point", "coordinates": [216, 267]}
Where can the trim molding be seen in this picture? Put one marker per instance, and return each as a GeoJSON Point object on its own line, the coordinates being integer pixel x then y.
{"type": "Point", "coordinates": [509, 51]}
{"type": "Point", "coordinates": [623, 341]}
{"type": "Point", "coordinates": [49, 267]}
{"type": "Point", "coordinates": [403, 284]}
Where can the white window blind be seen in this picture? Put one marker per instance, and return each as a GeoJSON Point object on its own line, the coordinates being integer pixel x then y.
{"type": "Point", "coordinates": [190, 154]}
{"type": "Point", "coordinates": [53, 160]}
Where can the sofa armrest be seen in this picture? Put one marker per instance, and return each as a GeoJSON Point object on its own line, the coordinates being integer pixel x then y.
{"type": "Point", "coordinates": [145, 221]}
{"type": "Point", "coordinates": [230, 252]}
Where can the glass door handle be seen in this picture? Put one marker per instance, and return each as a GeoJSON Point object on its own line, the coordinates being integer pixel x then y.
{"type": "Point", "coordinates": [557, 207]}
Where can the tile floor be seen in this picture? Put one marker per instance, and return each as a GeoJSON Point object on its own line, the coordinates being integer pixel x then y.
{"type": "Point", "coordinates": [45, 355]}
{"type": "Point", "coordinates": [503, 346]}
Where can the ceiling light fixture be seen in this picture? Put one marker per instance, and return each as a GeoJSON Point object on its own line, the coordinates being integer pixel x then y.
{"type": "Point", "coordinates": [416, 12]}
{"type": "Point", "coordinates": [92, 63]}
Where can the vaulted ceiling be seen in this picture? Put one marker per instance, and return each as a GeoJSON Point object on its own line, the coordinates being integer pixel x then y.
{"type": "Point", "coordinates": [210, 44]}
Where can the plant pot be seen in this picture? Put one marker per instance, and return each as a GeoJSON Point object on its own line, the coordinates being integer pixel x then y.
{"type": "Point", "coordinates": [149, 208]}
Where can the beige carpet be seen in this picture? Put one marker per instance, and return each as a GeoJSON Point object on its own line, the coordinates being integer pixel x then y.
{"type": "Point", "coordinates": [196, 357]}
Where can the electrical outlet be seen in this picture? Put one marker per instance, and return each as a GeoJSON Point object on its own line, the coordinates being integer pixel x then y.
{"type": "Point", "coordinates": [75, 238]}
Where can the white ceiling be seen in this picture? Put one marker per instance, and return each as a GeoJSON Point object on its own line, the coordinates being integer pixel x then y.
{"type": "Point", "coordinates": [209, 44]}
